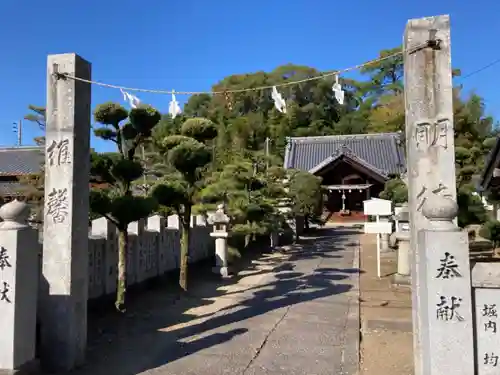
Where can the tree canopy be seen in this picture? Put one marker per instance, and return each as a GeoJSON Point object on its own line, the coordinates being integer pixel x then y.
{"type": "Point", "coordinates": [229, 149]}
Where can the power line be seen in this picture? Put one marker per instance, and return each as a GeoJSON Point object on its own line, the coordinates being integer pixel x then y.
{"type": "Point", "coordinates": [487, 66]}
{"type": "Point", "coordinates": [284, 84]}
{"type": "Point", "coordinates": [260, 88]}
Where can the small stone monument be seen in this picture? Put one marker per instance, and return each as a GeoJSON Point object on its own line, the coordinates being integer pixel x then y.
{"type": "Point", "coordinates": [402, 235]}
{"type": "Point", "coordinates": [220, 221]}
{"type": "Point", "coordinates": [19, 276]}
{"type": "Point", "coordinates": [446, 299]}
{"type": "Point", "coordinates": [486, 284]}
{"type": "Point", "coordinates": [384, 238]}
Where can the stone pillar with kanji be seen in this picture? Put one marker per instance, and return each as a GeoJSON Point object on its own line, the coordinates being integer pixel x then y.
{"type": "Point", "coordinates": [19, 277]}
{"type": "Point", "coordinates": [220, 222]}
{"type": "Point", "coordinates": [63, 303]}
{"type": "Point", "coordinates": [445, 290]}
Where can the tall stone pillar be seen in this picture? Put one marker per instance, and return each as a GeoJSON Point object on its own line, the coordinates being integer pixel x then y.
{"type": "Point", "coordinates": [66, 214]}
{"type": "Point", "coordinates": [429, 135]}
{"type": "Point", "coordinates": [446, 334]}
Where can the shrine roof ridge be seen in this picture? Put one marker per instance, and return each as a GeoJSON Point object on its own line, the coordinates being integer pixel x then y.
{"type": "Point", "coordinates": [384, 152]}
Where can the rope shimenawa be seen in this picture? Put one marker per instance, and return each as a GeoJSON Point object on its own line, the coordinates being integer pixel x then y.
{"type": "Point", "coordinates": [260, 88]}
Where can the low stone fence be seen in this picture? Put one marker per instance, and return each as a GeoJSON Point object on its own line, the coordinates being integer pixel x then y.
{"type": "Point", "coordinates": [154, 249]}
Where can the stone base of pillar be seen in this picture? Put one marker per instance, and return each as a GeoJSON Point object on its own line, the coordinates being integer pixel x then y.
{"type": "Point", "coordinates": [398, 279]}
{"type": "Point", "coordinates": [224, 272]}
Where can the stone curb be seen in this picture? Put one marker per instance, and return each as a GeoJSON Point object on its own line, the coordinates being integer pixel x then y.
{"type": "Point", "coordinates": [387, 325]}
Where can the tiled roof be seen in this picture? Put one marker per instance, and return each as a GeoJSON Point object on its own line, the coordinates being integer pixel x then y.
{"type": "Point", "coordinates": [384, 151]}
{"type": "Point", "coordinates": [18, 161]}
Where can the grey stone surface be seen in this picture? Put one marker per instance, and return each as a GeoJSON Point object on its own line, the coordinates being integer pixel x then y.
{"type": "Point", "coordinates": [487, 326]}
{"type": "Point", "coordinates": [389, 325]}
{"type": "Point", "coordinates": [429, 135]}
{"type": "Point", "coordinates": [486, 275]}
{"type": "Point", "coordinates": [486, 283]}
{"type": "Point", "coordinates": [404, 263]}
{"type": "Point", "coordinates": [65, 245]}
{"type": "Point", "coordinates": [19, 277]}
{"type": "Point", "coordinates": [284, 322]}
{"type": "Point", "coordinates": [446, 308]}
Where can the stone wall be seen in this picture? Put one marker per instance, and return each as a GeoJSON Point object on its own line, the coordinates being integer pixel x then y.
{"type": "Point", "coordinates": [154, 249]}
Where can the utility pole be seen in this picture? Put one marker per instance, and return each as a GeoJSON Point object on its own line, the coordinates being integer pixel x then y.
{"type": "Point", "coordinates": [18, 129]}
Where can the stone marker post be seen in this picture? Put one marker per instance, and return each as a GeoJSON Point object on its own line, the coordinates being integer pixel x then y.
{"type": "Point", "coordinates": [429, 135]}
{"type": "Point", "coordinates": [486, 284]}
{"type": "Point", "coordinates": [384, 238]}
{"type": "Point", "coordinates": [220, 222]}
{"type": "Point", "coordinates": [446, 333]}
{"type": "Point", "coordinates": [19, 275]}
{"type": "Point", "coordinates": [402, 236]}
{"type": "Point", "coordinates": [65, 244]}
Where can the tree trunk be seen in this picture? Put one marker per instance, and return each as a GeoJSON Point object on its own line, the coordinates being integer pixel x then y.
{"type": "Point", "coordinates": [183, 274]}
{"type": "Point", "coordinates": [122, 270]}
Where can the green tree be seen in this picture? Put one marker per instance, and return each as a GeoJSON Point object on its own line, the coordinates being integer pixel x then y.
{"type": "Point", "coordinates": [306, 196]}
{"type": "Point", "coordinates": [491, 231]}
{"type": "Point", "coordinates": [181, 163]}
{"type": "Point", "coordinates": [116, 202]}
{"type": "Point", "coordinates": [33, 185]}
{"type": "Point", "coordinates": [37, 116]}
{"type": "Point", "coordinates": [471, 209]}
{"type": "Point", "coordinates": [395, 190]}
{"type": "Point", "coordinates": [252, 192]}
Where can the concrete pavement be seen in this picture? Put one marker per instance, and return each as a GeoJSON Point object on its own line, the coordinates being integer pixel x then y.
{"type": "Point", "coordinates": [294, 313]}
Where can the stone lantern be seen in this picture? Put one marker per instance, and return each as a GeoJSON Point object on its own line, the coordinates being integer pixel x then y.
{"type": "Point", "coordinates": [220, 222]}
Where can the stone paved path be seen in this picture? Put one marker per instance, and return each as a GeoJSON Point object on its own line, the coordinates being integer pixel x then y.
{"type": "Point", "coordinates": [294, 313]}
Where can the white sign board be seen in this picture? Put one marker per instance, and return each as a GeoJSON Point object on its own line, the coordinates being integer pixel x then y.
{"type": "Point", "coordinates": [384, 227]}
{"type": "Point", "coordinates": [377, 207]}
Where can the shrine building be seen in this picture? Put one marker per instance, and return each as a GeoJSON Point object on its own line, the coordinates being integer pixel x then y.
{"type": "Point", "coordinates": [353, 168]}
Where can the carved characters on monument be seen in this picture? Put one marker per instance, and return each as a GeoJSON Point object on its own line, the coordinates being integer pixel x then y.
{"type": "Point", "coordinates": [447, 309]}
{"type": "Point", "coordinates": [491, 359]}
{"type": "Point", "coordinates": [4, 258]}
{"type": "Point", "coordinates": [57, 205]}
{"type": "Point", "coordinates": [423, 195]}
{"type": "Point", "coordinates": [4, 292]}
{"type": "Point", "coordinates": [432, 132]}
{"type": "Point", "coordinates": [448, 267]}
{"type": "Point", "coordinates": [5, 286]}
{"type": "Point", "coordinates": [58, 153]}
{"type": "Point", "coordinates": [490, 312]}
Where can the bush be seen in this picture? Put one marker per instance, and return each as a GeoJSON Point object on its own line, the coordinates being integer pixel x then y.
{"type": "Point", "coordinates": [395, 190]}
{"type": "Point", "coordinates": [491, 231]}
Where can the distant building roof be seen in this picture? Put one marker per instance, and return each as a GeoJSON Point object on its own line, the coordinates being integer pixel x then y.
{"type": "Point", "coordinates": [384, 151]}
{"type": "Point", "coordinates": [490, 178]}
{"type": "Point", "coordinates": [19, 161]}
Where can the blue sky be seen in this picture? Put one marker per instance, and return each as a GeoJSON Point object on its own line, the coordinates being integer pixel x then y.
{"type": "Point", "coordinates": [189, 45]}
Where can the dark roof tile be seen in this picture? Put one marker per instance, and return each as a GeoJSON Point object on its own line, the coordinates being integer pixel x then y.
{"type": "Point", "coordinates": [17, 161]}
{"type": "Point", "coordinates": [385, 151]}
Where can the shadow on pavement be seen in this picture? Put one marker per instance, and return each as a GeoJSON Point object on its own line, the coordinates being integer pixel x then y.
{"type": "Point", "coordinates": [157, 329]}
